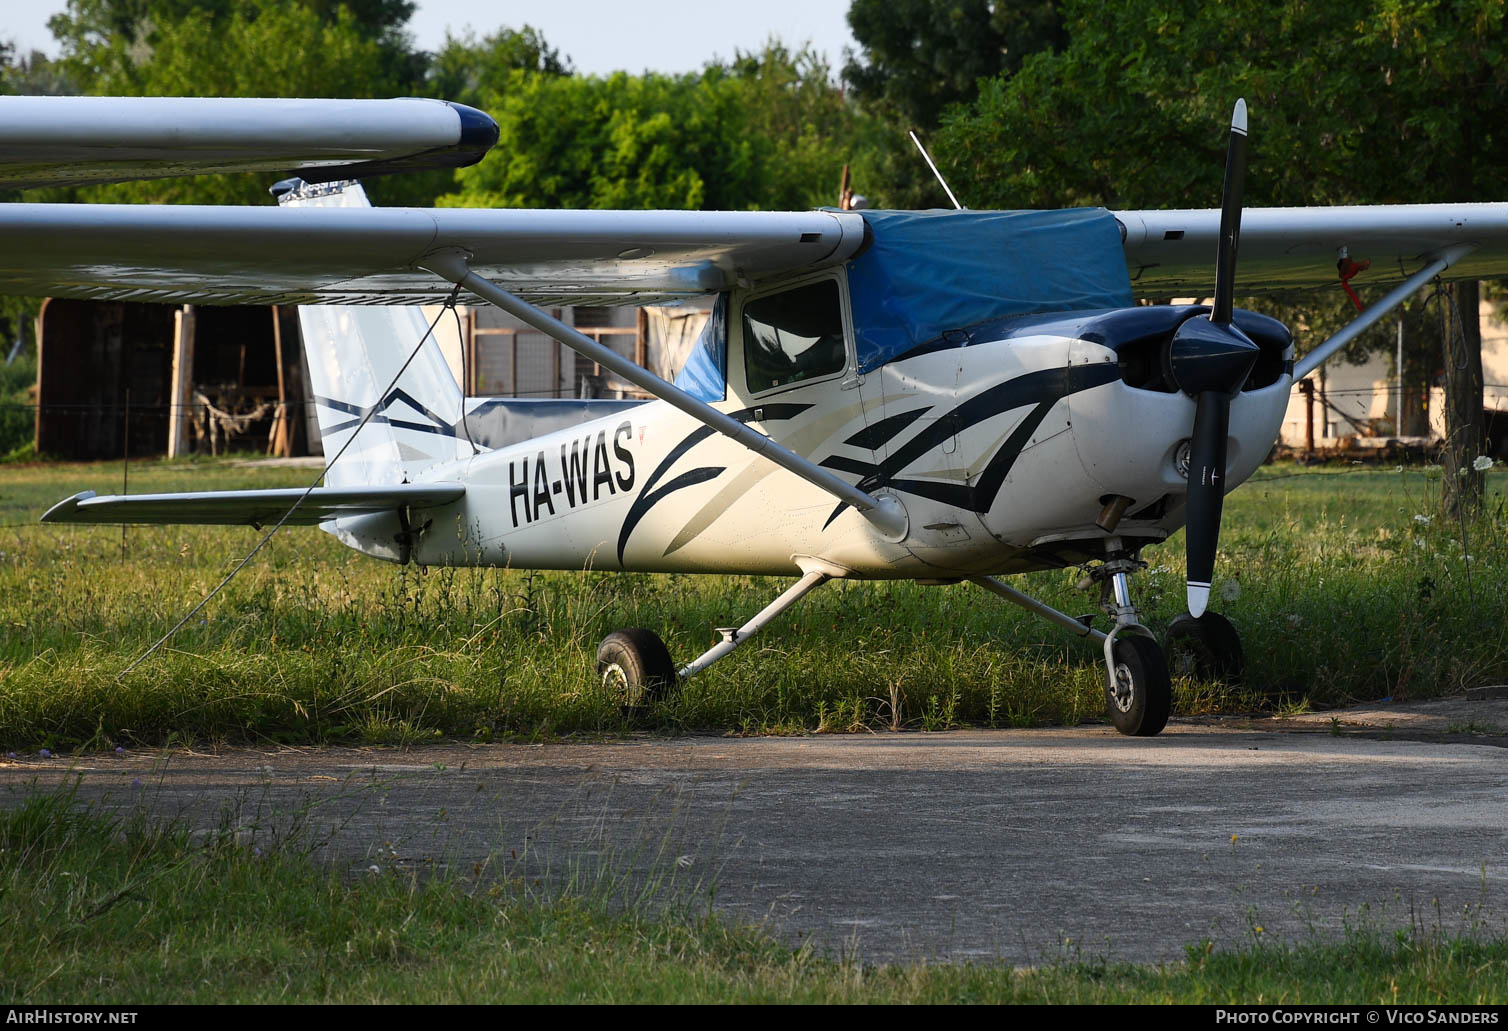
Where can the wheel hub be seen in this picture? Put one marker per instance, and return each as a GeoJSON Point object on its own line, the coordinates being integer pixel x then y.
{"type": "Point", "coordinates": [615, 680]}
{"type": "Point", "coordinates": [1123, 691]}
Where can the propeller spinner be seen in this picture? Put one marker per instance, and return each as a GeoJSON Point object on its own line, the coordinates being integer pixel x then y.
{"type": "Point", "coordinates": [1209, 359]}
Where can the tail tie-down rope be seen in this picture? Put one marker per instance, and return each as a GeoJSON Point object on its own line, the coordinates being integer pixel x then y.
{"type": "Point", "coordinates": [450, 304]}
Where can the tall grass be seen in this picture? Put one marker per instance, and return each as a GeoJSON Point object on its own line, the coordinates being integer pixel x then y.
{"type": "Point", "coordinates": [17, 407]}
{"type": "Point", "coordinates": [1345, 586]}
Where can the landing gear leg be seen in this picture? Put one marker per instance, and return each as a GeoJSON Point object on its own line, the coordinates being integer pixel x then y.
{"type": "Point", "coordinates": [635, 665]}
{"type": "Point", "coordinates": [733, 637]}
{"type": "Point", "coordinates": [1138, 690]}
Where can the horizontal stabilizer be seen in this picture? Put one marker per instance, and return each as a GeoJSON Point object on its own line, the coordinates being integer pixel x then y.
{"type": "Point", "coordinates": [250, 507]}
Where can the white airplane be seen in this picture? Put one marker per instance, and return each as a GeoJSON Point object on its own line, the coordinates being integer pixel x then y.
{"type": "Point", "coordinates": [938, 396]}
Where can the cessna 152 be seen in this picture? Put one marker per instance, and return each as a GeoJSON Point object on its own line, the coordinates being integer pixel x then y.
{"type": "Point", "coordinates": [942, 396]}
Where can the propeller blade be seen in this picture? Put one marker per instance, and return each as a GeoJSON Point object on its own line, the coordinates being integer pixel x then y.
{"type": "Point", "coordinates": [1206, 495]}
{"type": "Point", "coordinates": [1209, 360]}
{"type": "Point", "coordinates": [1230, 218]}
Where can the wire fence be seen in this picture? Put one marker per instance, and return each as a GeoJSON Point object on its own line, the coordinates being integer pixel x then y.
{"type": "Point", "coordinates": [106, 430]}
{"type": "Point", "coordinates": [1392, 390]}
{"type": "Point", "coordinates": [87, 430]}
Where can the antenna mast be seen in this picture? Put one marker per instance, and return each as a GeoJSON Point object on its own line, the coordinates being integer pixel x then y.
{"type": "Point", "coordinates": [928, 159]}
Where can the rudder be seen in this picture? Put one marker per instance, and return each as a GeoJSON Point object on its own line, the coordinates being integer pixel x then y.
{"type": "Point", "coordinates": [353, 352]}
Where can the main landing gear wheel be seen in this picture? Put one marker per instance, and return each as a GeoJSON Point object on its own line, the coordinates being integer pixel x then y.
{"type": "Point", "coordinates": [1140, 697]}
{"type": "Point", "coordinates": [1207, 648]}
{"type": "Point", "coordinates": [635, 667]}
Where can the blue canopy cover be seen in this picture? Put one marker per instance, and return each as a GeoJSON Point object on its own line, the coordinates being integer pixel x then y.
{"type": "Point", "coordinates": [927, 273]}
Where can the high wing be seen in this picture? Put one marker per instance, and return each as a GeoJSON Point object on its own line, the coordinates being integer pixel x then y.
{"type": "Point", "coordinates": [251, 255]}
{"type": "Point", "coordinates": [250, 507]}
{"type": "Point", "coordinates": [68, 141]}
{"type": "Point", "coordinates": [239, 255]}
{"type": "Point", "coordinates": [1168, 252]}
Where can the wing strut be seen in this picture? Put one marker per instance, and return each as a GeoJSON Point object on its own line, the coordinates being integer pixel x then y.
{"type": "Point", "coordinates": [885, 512]}
{"type": "Point", "coordinates": [1400, 293]}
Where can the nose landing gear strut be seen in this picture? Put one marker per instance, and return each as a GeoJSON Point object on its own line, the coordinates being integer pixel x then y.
{"type": "Point", "coordinates": [1138, 690]}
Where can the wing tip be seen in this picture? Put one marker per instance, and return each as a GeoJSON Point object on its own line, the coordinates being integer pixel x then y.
{"type": "Point", "coordinates": [61, 512]}
{"type": "Point", "coordinates": [479, 131]}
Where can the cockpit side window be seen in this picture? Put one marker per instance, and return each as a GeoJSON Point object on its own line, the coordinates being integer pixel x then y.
{"type": "Point", "coordinates": [793, 336]}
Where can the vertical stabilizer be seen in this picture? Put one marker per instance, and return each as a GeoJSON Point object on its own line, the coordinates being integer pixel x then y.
{"type": "Point", "coordinates": [353, 353]}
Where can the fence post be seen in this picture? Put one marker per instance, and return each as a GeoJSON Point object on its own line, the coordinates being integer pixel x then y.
{"type": "Point", "coordinates": [183, 380]}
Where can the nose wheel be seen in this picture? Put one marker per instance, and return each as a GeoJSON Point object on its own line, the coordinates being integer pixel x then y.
{"type": "Point", "coordinates": [1138, 692]}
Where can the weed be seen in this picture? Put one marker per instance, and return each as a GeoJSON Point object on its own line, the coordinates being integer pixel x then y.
{"type": "Point", "coordinates": [1473, 727]}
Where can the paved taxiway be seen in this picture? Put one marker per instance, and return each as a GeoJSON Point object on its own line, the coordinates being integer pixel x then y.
{"type": "Point", "coordinates": [1022, 845]}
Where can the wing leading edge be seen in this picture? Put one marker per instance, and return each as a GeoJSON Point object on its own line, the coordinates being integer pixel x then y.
{"type": "Point", "coordinates": [250, 507]}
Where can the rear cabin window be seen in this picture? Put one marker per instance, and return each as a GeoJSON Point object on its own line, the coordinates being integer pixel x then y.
{"type": "Point", "coordinates": [793, 336]}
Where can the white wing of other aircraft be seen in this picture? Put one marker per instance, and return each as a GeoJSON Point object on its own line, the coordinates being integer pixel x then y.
{"type": "Point", "coordinates": [69, 141]}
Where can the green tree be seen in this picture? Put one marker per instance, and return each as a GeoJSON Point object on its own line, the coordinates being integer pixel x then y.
{"type": "Point", "coordinates": [32, 76]}
{"type": "Point", "coordinates": [768, 130]}
{"type": "Point", "coordinates": [918, 57]}
{"type": "Point", "coordinates": [467, 69]}
{"type": "Point", "coordinates": [106, 43]}
{"type": "Point", "coordinates": [808, 128]}
{"type": "Point", "coordinates": [649, 141]}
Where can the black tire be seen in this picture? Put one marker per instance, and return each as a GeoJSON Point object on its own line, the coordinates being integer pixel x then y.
{"type": "Point", "coordinates": [1207, 648]}
{"type": "Point", "coordinates": [635, 667]}
{"type": "Point", "coordinates": [1140, 698]}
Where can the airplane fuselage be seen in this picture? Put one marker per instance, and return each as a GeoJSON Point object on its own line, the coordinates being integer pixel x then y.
{"type": "Point", "coordinates": [1002, 451]}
